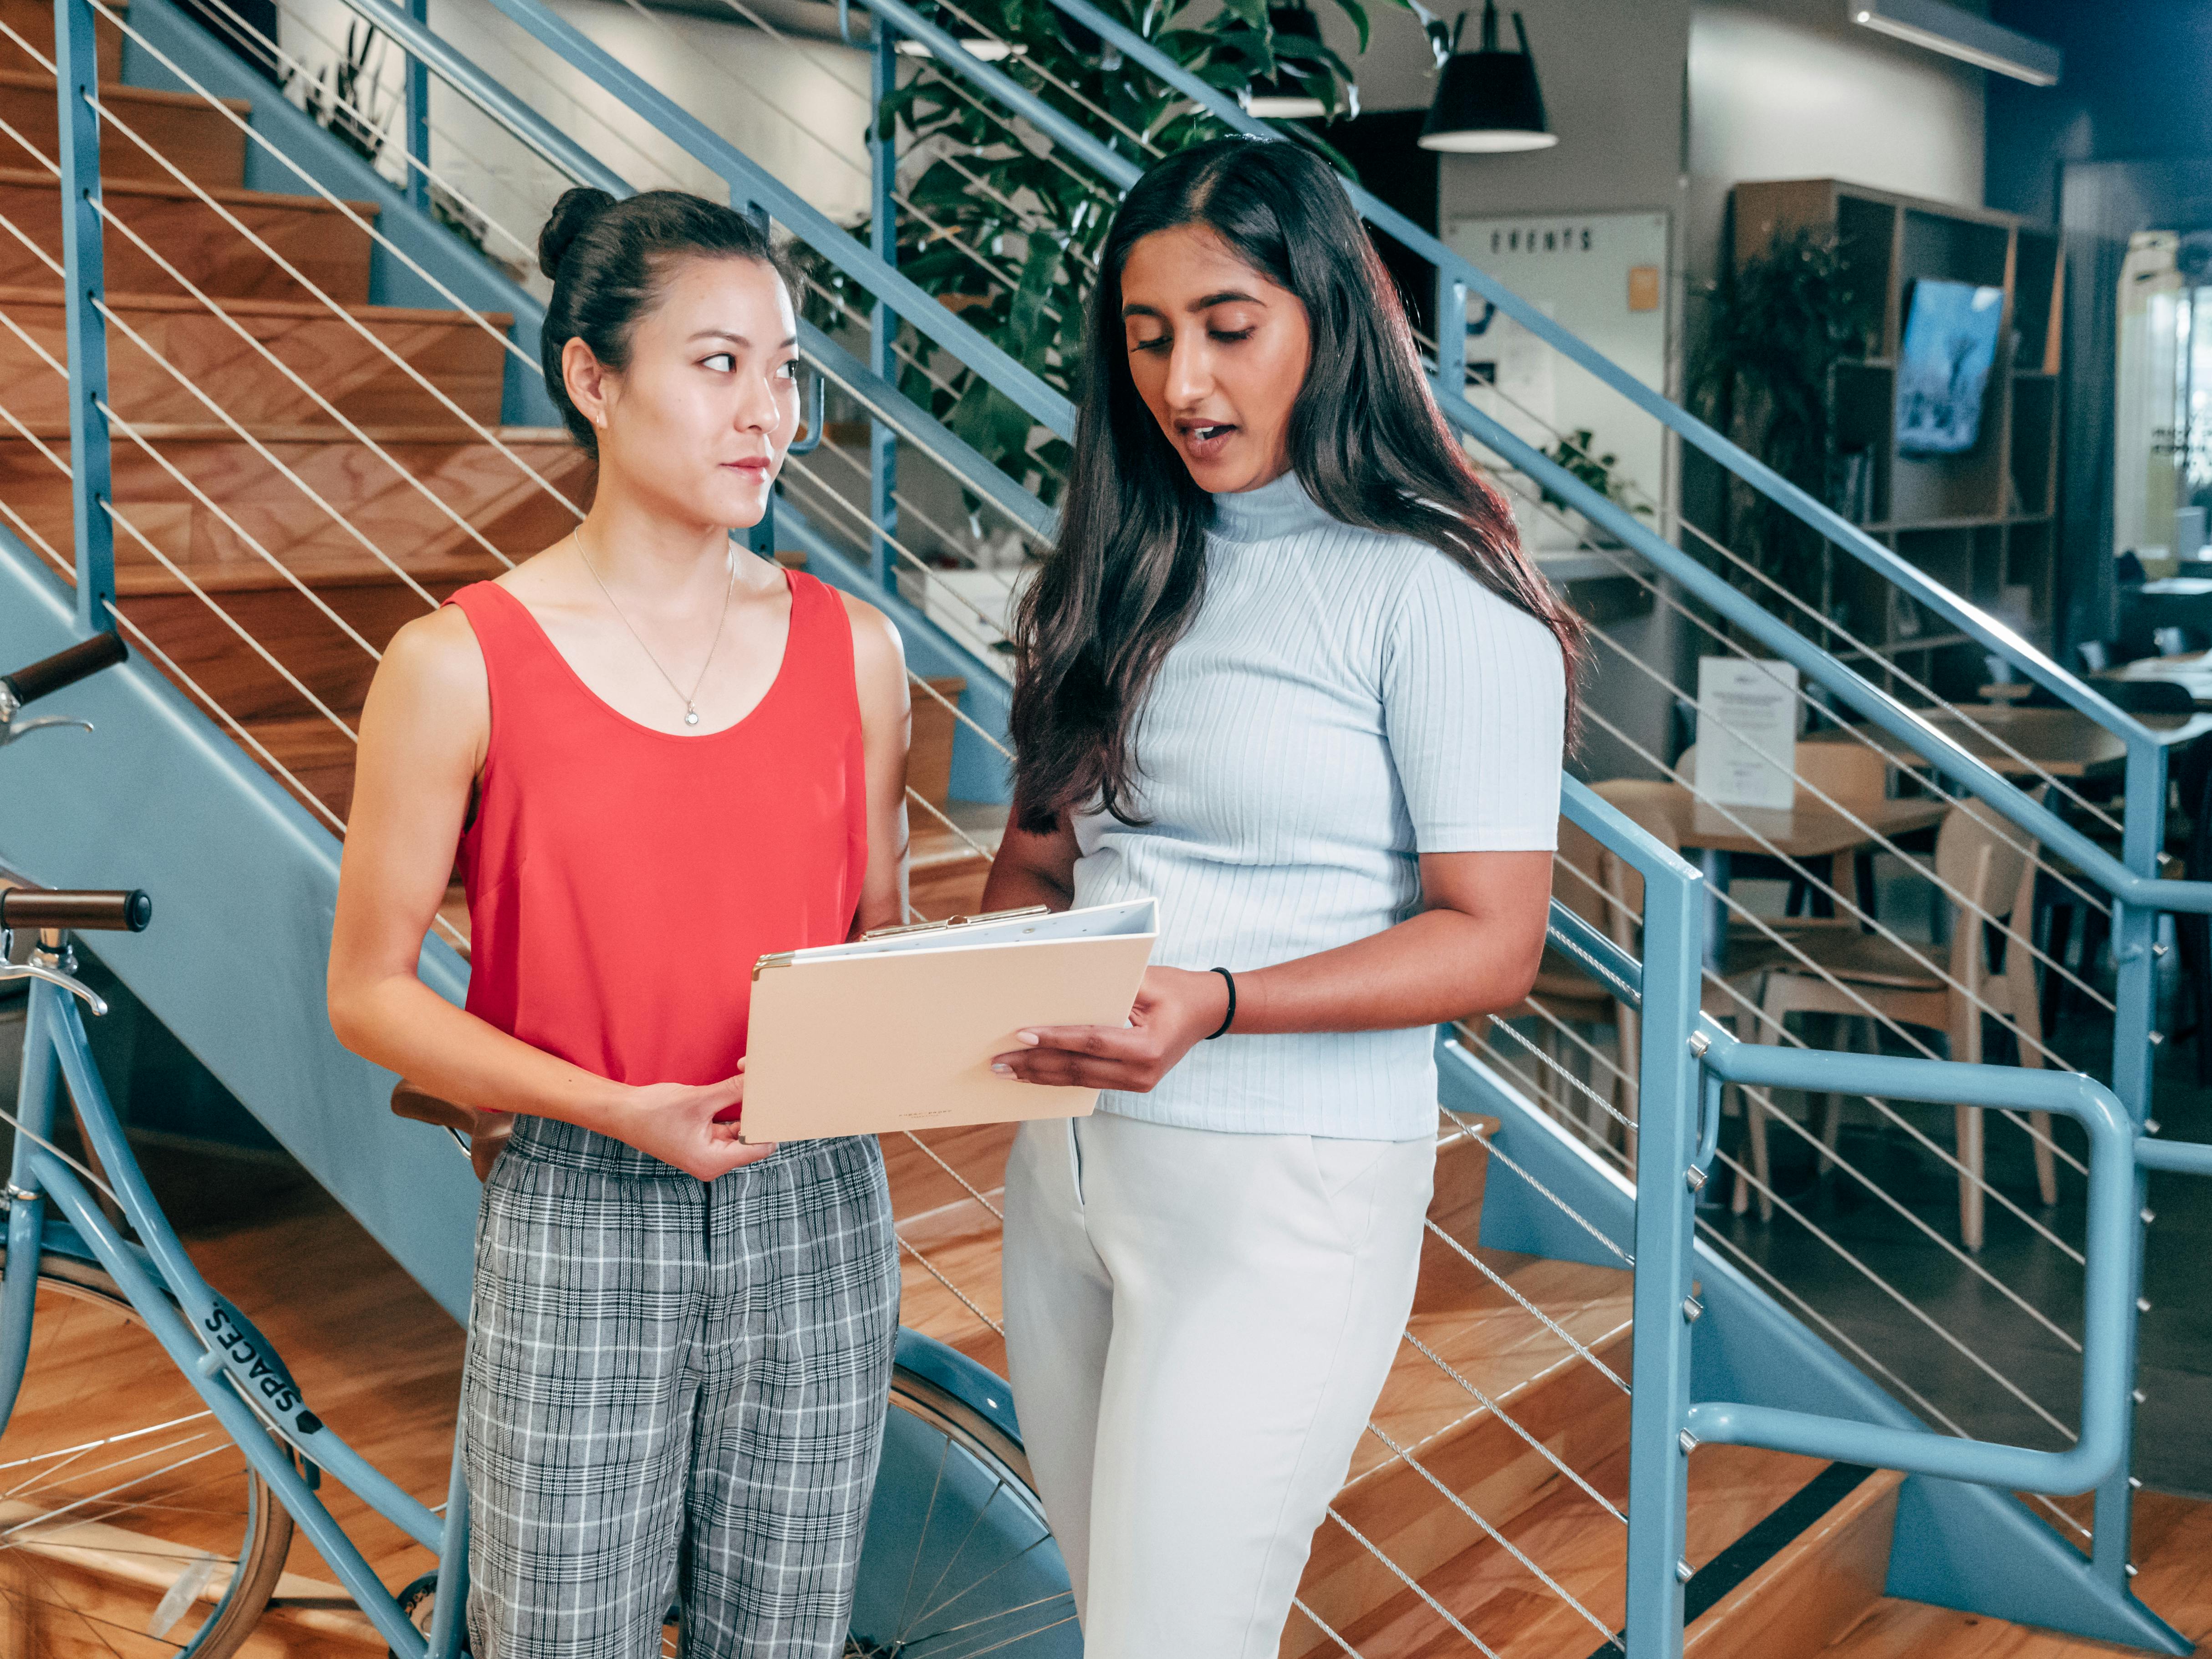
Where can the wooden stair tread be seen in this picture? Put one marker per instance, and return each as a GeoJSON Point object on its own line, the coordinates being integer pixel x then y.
{"type": "Point", "coordinates": [214, 432]}
{"type": "Point", "coordinates": [930, 844]}
{"type": "Point", "coordinates": [1582, 1549]}
{"type": "Point", "coordinates": [141, 576]}
{"type": "Point", "coordinates": [12, 295]}
{"type": "Point", "coordinates": [2173, 1549]}
{"type": "Point", "coordinates": [229, 195]}
{"type": "Point", "coordinates": [1816, 1586]}
{"type": "Point", "coordinates": [121, 92]}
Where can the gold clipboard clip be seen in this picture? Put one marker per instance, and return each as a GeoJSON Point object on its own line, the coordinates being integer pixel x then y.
{"type": "Point", "coordinates": [783, 959]}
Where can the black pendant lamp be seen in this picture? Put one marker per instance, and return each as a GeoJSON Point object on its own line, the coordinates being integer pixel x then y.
{"type": "Point", "coordinates": [1284, 95]}
{"type": "Point", "coordinates": [1487, 101]}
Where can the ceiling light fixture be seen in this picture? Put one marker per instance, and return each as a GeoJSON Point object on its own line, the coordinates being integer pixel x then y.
{"type": "Point", "coordinates": [1487, 101]}
{"type": "Point", "coordinates": [1284, 95]}
{"type": "Point", "coordinates": [983, 49]}
{"type": "Point", "coordinates": [1957, 33]}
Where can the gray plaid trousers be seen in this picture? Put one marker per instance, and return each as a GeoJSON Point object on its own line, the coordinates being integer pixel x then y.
{"type": "Point", "coordinates": [674, 1394]}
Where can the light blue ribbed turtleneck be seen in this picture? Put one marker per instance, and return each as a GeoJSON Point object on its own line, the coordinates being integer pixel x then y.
{"type": "Point", "coordinates": [1344, 702]}
{"type": "Point", "coordinates": [1275, 508]}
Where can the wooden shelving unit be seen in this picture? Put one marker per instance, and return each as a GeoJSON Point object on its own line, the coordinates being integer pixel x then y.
{"type": "Point", "coordinates": [1980, 522]}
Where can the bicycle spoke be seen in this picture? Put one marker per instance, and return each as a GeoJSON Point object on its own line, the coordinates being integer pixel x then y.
{"type": "Point", "coordinates": [906, 1599]}
{"type": "Point", "coordinates": [93, 1498]}
{"type": "Point", "coordinates": [953, 1559]}
{"type": "Point", "coordinates": [94, 1445]}
{"type": "Point", "coordinates": [1015, 1558]}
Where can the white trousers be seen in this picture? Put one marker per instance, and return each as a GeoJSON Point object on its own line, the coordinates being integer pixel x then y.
{"type": "Point", "coordinates": [1198, 1325]}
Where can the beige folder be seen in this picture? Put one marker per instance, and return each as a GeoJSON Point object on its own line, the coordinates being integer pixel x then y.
{"type": "Point", "coordinates": [897, 1030]}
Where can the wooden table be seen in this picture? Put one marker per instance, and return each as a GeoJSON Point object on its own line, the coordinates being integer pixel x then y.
{"type": "Point", "coordinates": [2191, 671]}
{"type": "Point", "coordinates": [2062, 742]}
{"type": "Point", "coordinates": [1810, 830]}
{"type": "Point", "coordinates": [1807, 831]}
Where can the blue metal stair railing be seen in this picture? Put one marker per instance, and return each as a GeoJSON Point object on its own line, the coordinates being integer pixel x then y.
{"type": "Point", "coordinates": [1685, 1057]}
{"type": "Point", "coordinates": [2132, 880]}
{"type": "Point", "coordinates": [1670, 1076]}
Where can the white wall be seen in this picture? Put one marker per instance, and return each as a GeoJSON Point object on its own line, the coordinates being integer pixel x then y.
{"type": "Point", "coordinates": [1794, 89]}
{"type": "Point", "coordinates": [798, 107]}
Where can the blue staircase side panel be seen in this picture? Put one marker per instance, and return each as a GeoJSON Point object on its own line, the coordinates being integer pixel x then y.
{"type": "Point", "coordinates": [1956, 1545]}
{"type": "Point", "coordinates": [439, 251]}
{"type": "Point", "coordinates": [979, 771]}
{"type": "Point", "coordinates": [244, 884]}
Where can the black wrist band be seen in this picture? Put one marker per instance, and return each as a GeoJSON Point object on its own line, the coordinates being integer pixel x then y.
{"type": "Point", "coordinates": [1229, 1018]}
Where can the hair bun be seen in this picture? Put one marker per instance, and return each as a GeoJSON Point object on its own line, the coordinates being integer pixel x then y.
{"type": "Point", "coordinates": [575, 210]}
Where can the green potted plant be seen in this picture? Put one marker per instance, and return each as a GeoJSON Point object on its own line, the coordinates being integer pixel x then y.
{"type": "Point", "coordinates": [1008, 232]}
{"type": "Point", "coordinates": [1764, 372]}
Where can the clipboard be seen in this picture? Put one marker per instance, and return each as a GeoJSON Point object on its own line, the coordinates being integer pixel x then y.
{"type": "Point", "coordinates": [897, 1029]}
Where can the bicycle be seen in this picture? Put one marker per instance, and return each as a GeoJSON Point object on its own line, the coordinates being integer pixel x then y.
{"type": "Point", "coordinates": [156, 1449]}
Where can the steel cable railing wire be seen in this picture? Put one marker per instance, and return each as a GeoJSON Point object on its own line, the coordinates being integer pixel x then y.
{"type": "Point", "coordinates": [1658, 592]}
{"type": "Point", "coordinates": [1867, 1272]}
{"type": "Point", "coordinates": [316, 188]}
{"type": "Point", "coordinates": [1762, 1099]}
{"type": "Point", "coordinates": [1792, 947]}
{"type": "Point", "coordinates": [338, 310]}
{"type": "Point", "coordinates": [1734, 816]}
{"type": "Point", "coordinates": [294, 71]}
{"type": "Point", "coordinates": [351, 427]}
{"type": "Point", "coordinates": [869, 529]}
{"type": "Point", "coordinates": [799, 472]}
{"type": "Point", "coordinates": [1843, 809]}
{"type": "Point", "coordinates": [1930, 783]}
{"type": "Point", "coordinates": [1720, 1240]}
{"type": "Point", "coordinates": [1782, 1035]}
{"type": "Point", "coordinates": [928, 521]}
{"type": "Point", "coordinates": [1585, 459]}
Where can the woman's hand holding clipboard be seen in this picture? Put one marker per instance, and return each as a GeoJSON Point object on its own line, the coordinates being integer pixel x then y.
{"type": "Point", "coordinates": [899, 1030]}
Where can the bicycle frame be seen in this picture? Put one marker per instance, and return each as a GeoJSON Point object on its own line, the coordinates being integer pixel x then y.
{"type": "Point", "coordinates": [229, 1363]}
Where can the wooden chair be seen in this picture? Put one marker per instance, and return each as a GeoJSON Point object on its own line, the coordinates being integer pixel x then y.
{"type": "Point", "coordinates": [1605, 890]}
{"type": "Point", "coordinates": [1844, 772]}
{"type": "Point", "coordinates": [1974, 856]}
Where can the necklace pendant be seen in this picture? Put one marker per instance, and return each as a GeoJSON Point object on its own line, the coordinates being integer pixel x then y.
{"type": "Point", "coordinates": [690, 715]}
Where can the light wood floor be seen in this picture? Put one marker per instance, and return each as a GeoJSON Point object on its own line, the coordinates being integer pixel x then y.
{"type": "Point", "coordinates": [381, 1362]}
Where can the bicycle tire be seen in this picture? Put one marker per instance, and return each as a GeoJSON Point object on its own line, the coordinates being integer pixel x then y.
{"type": "Point", "coordinates": [268, 1528]}
{"type": "Point", "coordinates": [954, 1474]}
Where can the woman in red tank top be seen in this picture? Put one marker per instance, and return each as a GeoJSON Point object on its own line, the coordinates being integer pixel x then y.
{"type": "Point", "coordinates": [654, 758]}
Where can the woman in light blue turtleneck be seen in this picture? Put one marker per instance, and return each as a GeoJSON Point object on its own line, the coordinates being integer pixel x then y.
{"type": "Point", "coordinates": [1288, 671]}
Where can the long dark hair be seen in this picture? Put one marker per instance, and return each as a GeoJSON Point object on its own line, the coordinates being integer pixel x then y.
{"type": "Point", "coordinates": [1366, 440]}
{"type": "Point", "coordinates": [609, 260]}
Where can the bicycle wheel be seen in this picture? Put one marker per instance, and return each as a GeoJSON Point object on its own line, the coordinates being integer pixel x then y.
{"type": "Point", "coordinates": [958, 1560]}
{"type": "Point", "coordinates": [130, 1523]}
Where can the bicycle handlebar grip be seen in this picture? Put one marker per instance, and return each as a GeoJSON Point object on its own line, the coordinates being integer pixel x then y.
{"type": "Point", "coordinates": [112, 911]}
{"type": "Point", "coordinates": [51, 674]}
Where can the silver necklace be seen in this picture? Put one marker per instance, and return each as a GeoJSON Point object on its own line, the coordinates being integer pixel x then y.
{"type": "Point", "coordinates": [691, 701]}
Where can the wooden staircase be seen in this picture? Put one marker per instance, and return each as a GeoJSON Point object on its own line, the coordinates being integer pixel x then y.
{"type": "Point", "coordinates": [214, 410]}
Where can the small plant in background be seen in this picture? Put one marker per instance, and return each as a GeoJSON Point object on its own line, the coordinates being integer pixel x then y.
{"type": "Point", "coordinates": [1572, 455]}
{"type": "Point", "coordinates": [1000, 228]}
{"type": "Point", "coordinates": [343, 95]}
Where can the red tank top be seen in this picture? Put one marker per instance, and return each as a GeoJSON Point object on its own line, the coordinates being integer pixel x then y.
{"type": "Point", "coordinates": [621, 881]}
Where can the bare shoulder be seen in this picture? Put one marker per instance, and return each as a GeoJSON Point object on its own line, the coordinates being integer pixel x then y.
{"type": "Point", "coordinates": [876, 641]}
{"type": "Point", "coordinates": [438, 653]}
{"type": "Point", "coordinates": [432, 685]}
